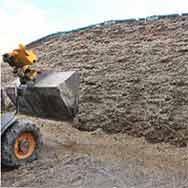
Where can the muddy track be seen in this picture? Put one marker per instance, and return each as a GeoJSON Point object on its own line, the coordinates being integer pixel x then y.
{"type": "Point", "coordinates": [94, 159]}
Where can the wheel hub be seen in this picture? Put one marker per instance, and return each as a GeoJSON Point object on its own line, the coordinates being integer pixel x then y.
{"type": "Point", "coordinates": [24, 146]}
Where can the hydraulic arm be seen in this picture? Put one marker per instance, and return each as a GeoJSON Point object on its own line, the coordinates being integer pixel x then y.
{"type": "Point", "coordinates": [21, 60]}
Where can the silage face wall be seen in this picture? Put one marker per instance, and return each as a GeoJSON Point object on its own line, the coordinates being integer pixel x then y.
{"type": "Point", "coordinates": [134, 76]}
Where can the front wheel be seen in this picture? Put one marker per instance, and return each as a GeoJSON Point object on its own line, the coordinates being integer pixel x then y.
{"type": "Point", "coordinates": [20, 144]}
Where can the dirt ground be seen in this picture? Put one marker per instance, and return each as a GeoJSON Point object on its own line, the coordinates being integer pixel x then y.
{"type": "Point", "coordinates": [72, 158]}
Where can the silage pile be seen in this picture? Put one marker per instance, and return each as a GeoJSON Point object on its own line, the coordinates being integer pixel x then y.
{"type": "Point", "coordinates": [134, 77]}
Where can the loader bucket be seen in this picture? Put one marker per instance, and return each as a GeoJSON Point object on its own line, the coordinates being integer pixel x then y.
{"type": "Point", "coordinates": [54, 95]}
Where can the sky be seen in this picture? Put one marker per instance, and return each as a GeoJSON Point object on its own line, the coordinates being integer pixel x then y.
{"type": "Point", "coordinates": [23, 21]}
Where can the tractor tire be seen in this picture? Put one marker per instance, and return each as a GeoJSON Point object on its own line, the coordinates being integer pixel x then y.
{"type": "Point", "coordinates": [20, 144]}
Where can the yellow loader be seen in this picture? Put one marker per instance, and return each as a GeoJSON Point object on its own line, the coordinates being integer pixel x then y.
{"type": "Point", "coordinates": [51, 95]}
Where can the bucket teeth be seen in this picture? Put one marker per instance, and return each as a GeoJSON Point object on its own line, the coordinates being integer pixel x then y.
{"type": "Point", "coordinates": [54, 95]}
